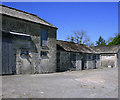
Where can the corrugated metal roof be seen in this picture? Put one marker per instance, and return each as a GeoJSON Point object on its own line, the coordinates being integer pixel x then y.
{"type": "Point", "coordinates": [23, 15]}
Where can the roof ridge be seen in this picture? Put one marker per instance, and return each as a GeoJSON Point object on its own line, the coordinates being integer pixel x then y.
{"type": "Point", "coordinates": [78, 46]}
{"type": "Point", "coordinates": [43, 20]}
{"type": "Point", "coordinates": [106, 45]}
{"type": "Point", "coordinates": [70, 42]}
{"type": "Point", "coordinates": [28, 14]}
{"type": "Point", "coordinates": [17, 9]}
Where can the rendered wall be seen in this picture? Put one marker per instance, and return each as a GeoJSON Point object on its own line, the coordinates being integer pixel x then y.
{"type": "Point", "coordinates": [73, 61]}
{"type": "Point", "coordinates": [39, 64]}
{"type": "Point", "coordinates": [118, 60]}
{"type": "Point", "coordinates": [111, 61]}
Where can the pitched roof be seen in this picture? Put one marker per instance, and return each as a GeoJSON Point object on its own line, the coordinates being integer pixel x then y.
{"type": "Point", "coordinates": [23, 15]}
{"type": "Point", "coordinates": [74, 47]}
{"type": "Point", "coordinates": [107, 48]}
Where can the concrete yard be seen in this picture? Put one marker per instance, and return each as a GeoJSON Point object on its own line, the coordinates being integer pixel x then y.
{"type": "Point", "coordinates": [94, 83]}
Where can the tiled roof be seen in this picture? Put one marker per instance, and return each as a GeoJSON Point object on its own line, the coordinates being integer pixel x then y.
{"type": "Point", "coordinates": [74, 47]}
{"type": "Point", "coordinates": [23, 15]}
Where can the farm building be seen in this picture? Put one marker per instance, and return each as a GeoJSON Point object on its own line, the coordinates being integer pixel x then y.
{"type": "Point", "coordinates": [109, 55]}
{"type": "Point", "coordinates": [28, 43]}
{"type": "Point", "coordinates": [72, 56]}
{"type": "Point", "coordinates": [29, 46]}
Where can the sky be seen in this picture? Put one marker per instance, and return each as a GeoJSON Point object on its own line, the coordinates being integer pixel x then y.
{"type": "Point", "coordinates": [96, 18]}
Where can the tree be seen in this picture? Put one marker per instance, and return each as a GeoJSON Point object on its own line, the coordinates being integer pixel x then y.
{"type": "Point", "coordinates": [71, 39]}
{"type": "Point", "coordinates": [110, 39]}
{"type": "Point", "coordinates": [80, 37]}
{"type": "Point", "coordinates": [100, 41]}
{"type": "Point", "coordinates": [115, 41]}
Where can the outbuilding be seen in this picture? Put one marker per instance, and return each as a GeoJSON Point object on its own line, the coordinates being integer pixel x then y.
{"type": "Point", "coordinates": [109, 55]}
{"type": "Point", "coordinates": [73, 56]}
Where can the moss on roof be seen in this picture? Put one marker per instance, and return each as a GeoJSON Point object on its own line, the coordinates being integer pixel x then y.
{"type": "Point", "coordinates": [74, 47]}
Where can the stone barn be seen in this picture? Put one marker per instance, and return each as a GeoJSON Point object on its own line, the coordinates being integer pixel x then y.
{"type": "Point", "coordinates": [72, 56]}
{"type": "Point", "coordinates": [109, 55]}
{"type": "Point", "coordinates": [28, 43]}
{"type": "Point", "coordinates": [29, 46]}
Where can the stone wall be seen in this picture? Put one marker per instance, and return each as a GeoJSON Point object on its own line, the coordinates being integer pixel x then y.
{"type": "Point", "coordinates": [37, 63]}
{"type": "Point", "coordinates": [64, 61]}
{"type": "Point", "coordinates": [78, 61]}
{"type": "Point", "coordinates": [118, 60]}
{"type": "Point", "coordinates": [108, 60]}
{"type": "Point", "coordinates": [89, 62]}
{"type": "Point", "coordinates": [74, 61]}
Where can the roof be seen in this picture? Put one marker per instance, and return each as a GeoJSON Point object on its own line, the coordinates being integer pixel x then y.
{"type": "Point", "coordinates": [74, 47]}
{"type": "Point", "coordinates": [23, 15]}
{"type": "Point", "coordinates": [107, 48]}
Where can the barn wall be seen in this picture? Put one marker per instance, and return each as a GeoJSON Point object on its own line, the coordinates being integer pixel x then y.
{"type": "Point", "coordinates": [64, 61]}
{"type": "Point", "coordinates": [105, 62]}
{"type": "Point", "coordinates": [93, 61]}
{"type": "Point", "coordinates": [78, 61]}
{"type": "Point", "coordinates": [73, 61]}
{"type": "Point", "coordinates": [40, 65]}
{"type": "Point", "coordinates": [89, 61]}
{"type": "Point", "coordinates": [24, 63]}
{"type": "Point", "coordinates": [98, 61]}
{"type": "Point", "coordinates": [12, 61]}
{"type": "Point", "coordinates": [0, 45]}
{"type": "Point", "coordinates": [8, 58]}
{"type": "Point", "coordinates": [118, 59]}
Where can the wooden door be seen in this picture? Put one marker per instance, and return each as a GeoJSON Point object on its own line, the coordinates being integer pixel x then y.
{"type": "Point", "coordinates": [58, 62]}
{"type": "Point", "coordinates": [73, 61]}
{"type": "Point", "coordinates": [8, 57]}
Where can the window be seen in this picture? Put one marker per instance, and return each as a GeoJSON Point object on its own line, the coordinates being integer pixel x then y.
{"type": "Point", "coordinates": [24, 52]}
{"type": "Point", "coordinates": [43, 37]}
{"type": "Point", "coordinates": [84, 57]}
{"type": "Point", "coordinates": [89, 56]}
{"type": "Point", "coordinates": [98, 57]}
{"type": "Point", "coordinates": [43, 53]}
{"type": "Point", "coordinates": [94, 57]}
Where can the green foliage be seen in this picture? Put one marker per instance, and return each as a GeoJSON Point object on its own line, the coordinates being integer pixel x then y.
{"type": "Point", "coordinates": [71, 39]}
{"type": "Point", "coordinates": [115, 41]}
{"type": "Point", "coordinates": [100, 41]}
{"type": "Point", "coordinates": [81, 37]}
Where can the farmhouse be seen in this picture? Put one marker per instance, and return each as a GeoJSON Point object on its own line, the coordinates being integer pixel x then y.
{"type": "Point", "coordinates": [29, 46]}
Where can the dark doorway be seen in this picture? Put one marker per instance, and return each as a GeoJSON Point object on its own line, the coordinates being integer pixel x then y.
{"type": "Point", "coordinates": [72, 61]}
{"type": "Point", "coordinates": [94, 64]}
{"type": "Point", "coordinates": [94, 61]}
{"type": "Point", "coordinates": [82, 61]}
{"type": "Point", "coordinates": [58, 62]}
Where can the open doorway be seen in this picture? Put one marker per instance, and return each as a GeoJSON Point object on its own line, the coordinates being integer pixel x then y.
{"type": "Point", "coordinates": [83, 63]}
